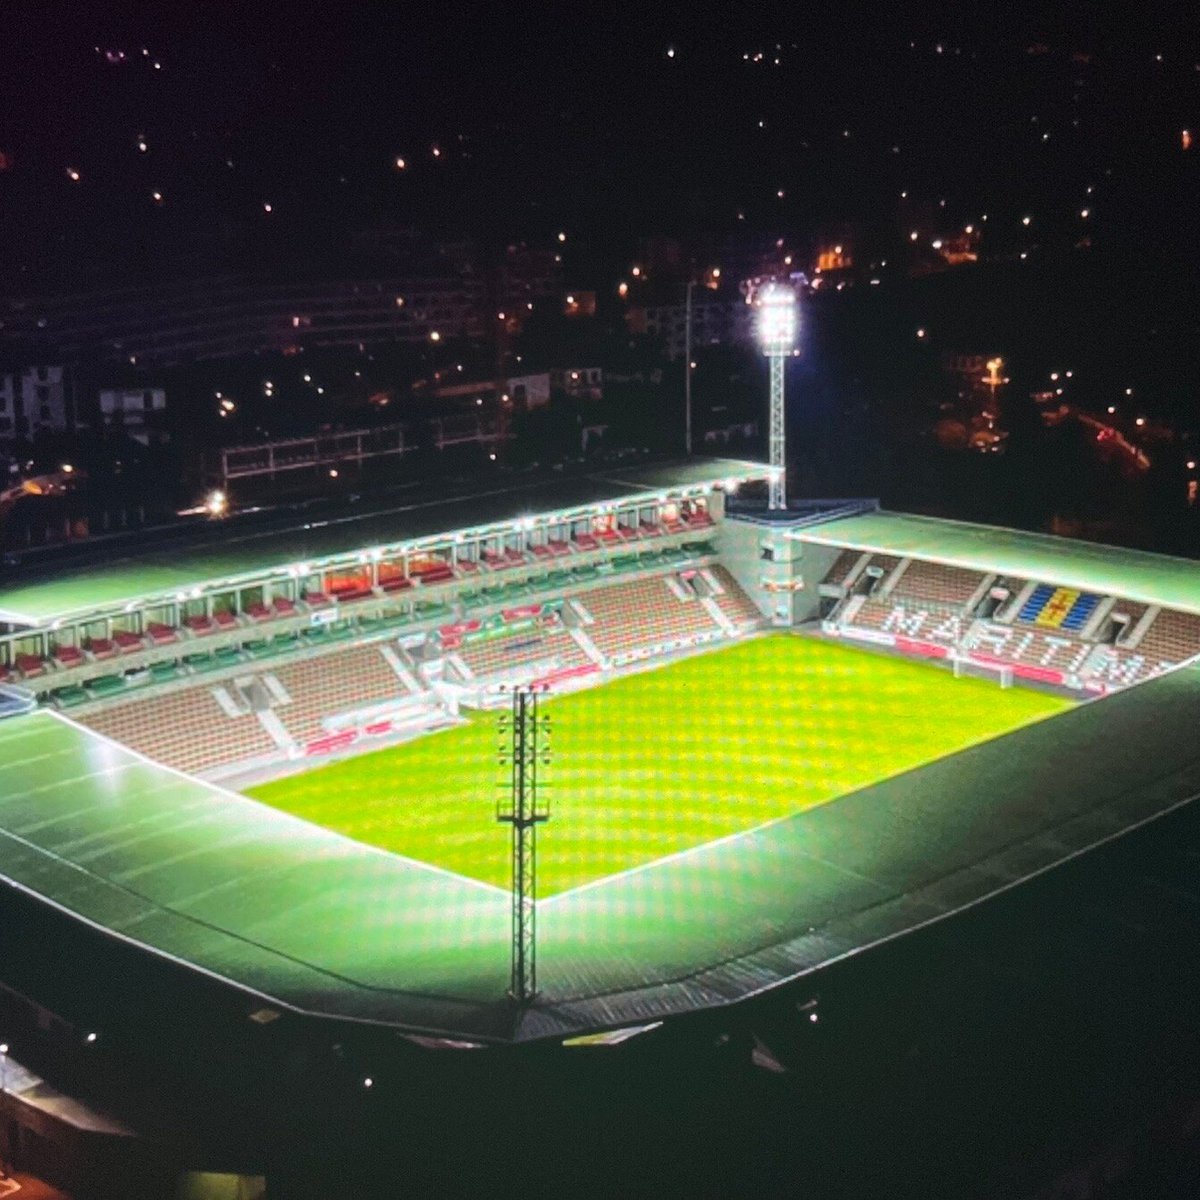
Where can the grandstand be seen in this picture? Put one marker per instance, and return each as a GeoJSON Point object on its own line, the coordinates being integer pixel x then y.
{"type": "Point", "coordinates": [806, 784]}
{"type": "Point", "coordinates": [1075, 636]}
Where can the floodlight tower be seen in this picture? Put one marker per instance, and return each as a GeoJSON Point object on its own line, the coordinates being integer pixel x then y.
{"type": "Point", "coordinates": [776, 302]}
{"type": "Point", "coordinates": [523, 748]}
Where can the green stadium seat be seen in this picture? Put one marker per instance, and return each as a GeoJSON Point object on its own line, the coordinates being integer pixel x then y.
{"type": "Point", "coordinates": [69, 697]}
{"type": "Point", "coordinates": [106, 685]}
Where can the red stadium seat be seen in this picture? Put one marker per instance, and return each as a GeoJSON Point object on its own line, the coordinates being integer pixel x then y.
{"type": "Point", "coordinates": [199, 624]}
{"type": "Point", "coordinates": [69, 656]}
{"type": "Point", "coordinates": [30, 665]}
{"type": "Point", "coordinates": [126, 641]}
{"type": "Point", "coordinates": [101, 648]}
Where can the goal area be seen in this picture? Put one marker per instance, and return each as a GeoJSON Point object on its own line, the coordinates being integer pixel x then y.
{"type": "Point", "coordinates": [973, 668]}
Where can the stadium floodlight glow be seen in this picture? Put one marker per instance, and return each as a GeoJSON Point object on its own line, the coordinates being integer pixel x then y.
{"type": "Point", "coordinates": [217, 503]}
{"type": "Point", "coordinates": [777, 325]}
{"type": "Point", "coordinates": [776, 318]}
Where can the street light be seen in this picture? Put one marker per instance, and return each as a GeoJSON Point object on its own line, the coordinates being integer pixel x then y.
{"type": "Point", "coordinates": [777, 323]}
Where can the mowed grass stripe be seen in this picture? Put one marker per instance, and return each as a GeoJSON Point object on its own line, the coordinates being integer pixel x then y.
{"type": "Point", "coordinates": [665, 760]}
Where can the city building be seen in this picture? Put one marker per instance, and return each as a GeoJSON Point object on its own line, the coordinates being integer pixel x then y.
{"type": "Point", "coordinates": [34, 400]}
{"type": "Point", "coordinates": [231, 316]}
{"type": "Point", "coordinates": [580, 383]}
{"type": "Point", "coordinates": [133, 409]}
{"type": "Point", "coordinates": [716, 321]}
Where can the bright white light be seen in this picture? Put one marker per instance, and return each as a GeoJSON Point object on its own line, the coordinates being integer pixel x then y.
{"type": "Point", "coordinates": [368, 1082]}
{"type": "Point", "coordinates": [91, 1037]}
{"type": "Point", "coordinates": [1026, 220]}
{"type": "Point", "coordinates": [435, 336]}
{"type": "Point", "coordinates": [217, 503]}
{"type": "Point", "coordinates": [776, 318]}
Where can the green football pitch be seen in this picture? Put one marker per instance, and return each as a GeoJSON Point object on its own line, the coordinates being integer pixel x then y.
{"type": "Point", "coordinates": [666, 760]}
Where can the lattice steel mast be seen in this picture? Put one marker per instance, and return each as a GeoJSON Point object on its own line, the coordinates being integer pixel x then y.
{"type": "Point", "coordinates": [777, 487]}
{"type": "Point", "coordinates": [776, 302]}
{"type": "Point", "coordinates": [524, 747]}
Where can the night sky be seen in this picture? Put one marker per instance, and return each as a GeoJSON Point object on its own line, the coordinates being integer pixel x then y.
{"type": "Point", "coordinates": [607, 121]}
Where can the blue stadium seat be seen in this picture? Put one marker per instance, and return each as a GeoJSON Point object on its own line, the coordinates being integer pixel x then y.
{"type": "Point", "coordinates": [1036, 602]}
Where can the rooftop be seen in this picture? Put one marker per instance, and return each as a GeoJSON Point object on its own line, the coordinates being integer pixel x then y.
{"type": "Point", "coordinates": [322, 924]}
{"type": "Point", "coordinates": [1088, 566]}
{"type": "Point", "coordinates": [240, 549]}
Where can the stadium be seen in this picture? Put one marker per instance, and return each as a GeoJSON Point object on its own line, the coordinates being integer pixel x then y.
{"type": "Point", "coordinates": [266, 752]}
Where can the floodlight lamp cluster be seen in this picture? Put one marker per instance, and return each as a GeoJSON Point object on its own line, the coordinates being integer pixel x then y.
{"type": "Point", "coordinates": [777, 318]}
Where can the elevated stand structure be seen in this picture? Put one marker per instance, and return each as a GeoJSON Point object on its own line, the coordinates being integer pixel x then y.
{"type": "Point", "coordinates": [524, 735]}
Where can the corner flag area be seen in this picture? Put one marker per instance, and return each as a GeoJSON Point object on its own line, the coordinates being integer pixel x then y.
{"type": "Point", "coordinates": [664, 761]}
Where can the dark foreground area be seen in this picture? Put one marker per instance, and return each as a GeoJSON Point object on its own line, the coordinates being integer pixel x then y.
{"type": "Point", "coordinates": [1045, 1044]}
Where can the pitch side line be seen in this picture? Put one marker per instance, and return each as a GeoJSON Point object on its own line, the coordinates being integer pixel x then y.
{"type": "Point", "coordinates": [677, 854]}
{"type": "Point", "coordinates": [278, 813]}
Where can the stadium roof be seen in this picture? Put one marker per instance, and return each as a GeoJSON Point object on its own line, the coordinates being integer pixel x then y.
{"type": "Point", "coordinates": [1088, 566]}
{"type": "Point", "coordinates": [322, 924]}
{"type": "Point", "coordinates": [235, 551]}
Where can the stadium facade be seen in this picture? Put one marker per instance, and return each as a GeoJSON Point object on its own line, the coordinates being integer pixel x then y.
{"type": "Point", "coordinates": [147, 688]}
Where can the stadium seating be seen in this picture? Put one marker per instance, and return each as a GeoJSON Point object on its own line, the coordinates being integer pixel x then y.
{"type": "Point", "coordinates": [354, 678]}
{"type": "Point", "coordinates": [185, 729]}
{"type": "Point", "coordinates": [1058, 608]}
{"type": "Point", "coordinates": [842, 566]}
{"type": "Point", "coordinates": [641, 614]}
{"type": "Point", "coordinates": [69, 656]}
{"type": "Point", "coordinates": [740, 610]}
{"type": "Point", "coordinates": [1173, 637]}
{"type": "Point", "coordinates": [556, 649]}
{"type": "Point", "coordinates": [936, 583]}
{"type": "Point", "coordinates": [101, 648]}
